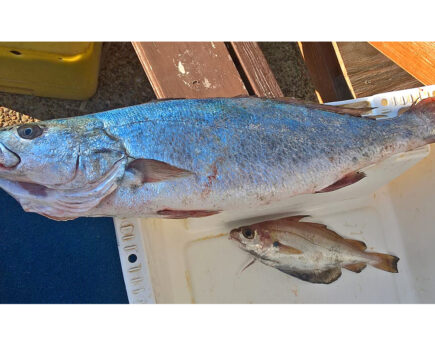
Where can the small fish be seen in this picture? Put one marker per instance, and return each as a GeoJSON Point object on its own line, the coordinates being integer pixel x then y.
{"type": "Point", "coordinates": [308, 251]}
{"type": "Point", "coordinates": [195, 158]}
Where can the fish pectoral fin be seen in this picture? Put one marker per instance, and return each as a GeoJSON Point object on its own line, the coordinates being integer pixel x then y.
{"type": "Point", "coordinates": [151, 170]}
{"type": "Point", "coordinates": [360, 245]}
{"type": "Point", "coordinates": [317, 276]}
{"type": "Point", "coordinates": [345, 181]}
{"type": "Point", "coordinates": [358, 267]}
{"type": "Point", "coordinates": [253, 260]}
{"type": "Point", "coordinates": [286, 249]}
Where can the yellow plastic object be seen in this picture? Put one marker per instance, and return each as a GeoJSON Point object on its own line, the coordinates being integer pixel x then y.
{"type": "Point", "coordinates": [50, 69]}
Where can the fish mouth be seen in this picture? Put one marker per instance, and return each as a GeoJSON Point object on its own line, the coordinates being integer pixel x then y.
{"type": "Point", "coordinates": [234, 236]}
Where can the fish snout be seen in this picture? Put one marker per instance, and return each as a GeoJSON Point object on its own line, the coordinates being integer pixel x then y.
{"type": "Point", "coordinates": [8, 159]}
{"type": "Point", "coordinates": [234, 235]}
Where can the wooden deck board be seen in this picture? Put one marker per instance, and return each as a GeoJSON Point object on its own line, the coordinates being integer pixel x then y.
{"type": "Point", "coordinates": [190, 69]}
{"type": "Point", "coordinates": [416, 58]}
{"type": "Point", "coordinates": [256, 69]}
{"type": "Point", "coordinates": [369, 71]}
{"type": "Point", "coordinates": [325, 71]}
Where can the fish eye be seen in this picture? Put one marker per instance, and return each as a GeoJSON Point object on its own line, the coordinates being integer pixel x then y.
{"type": "Point", "coordinates": [248, 233]}
{"type": "Point", "coordinates": [29, 132]}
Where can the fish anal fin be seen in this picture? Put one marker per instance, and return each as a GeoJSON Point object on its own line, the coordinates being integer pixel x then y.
{"type": "Point", "coordinates": [285, 249]}
{"type": "Point", "coordinates": [360, 245]}
{"type": "Point", "coordinates": [345, 181]}
{"type": "Point", "coordinates": [385, 262]}
{"type": "Point", "coordinates": [358, 267]}
{"type": "Point", "coordinates": [184, 214]}
{"type": "Point", "coordinates": [318, 276]}
{"type": "Point", "coordinates": [151, 170]}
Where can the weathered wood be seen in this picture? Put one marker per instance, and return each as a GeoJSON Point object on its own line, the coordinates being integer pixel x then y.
{"type": "Point", "coordinates": [190, 70]}
{"type": "Point", "coordinates": [256, 69]}
{"type": "Point", "coordinates": [369, 71]}
{"type": "Point", "coordinates": [417, 58]}
{"type": "Point", "coordinates": [325, 71]}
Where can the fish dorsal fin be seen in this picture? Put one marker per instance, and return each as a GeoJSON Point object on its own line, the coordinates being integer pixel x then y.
{"type": "Point", "coordinates": [151, 170]}
{"type": "Point", "coordinates": [355, 112]}
{"type": "Point", "coordinates": [358, 267]}
{"type": "Point", "coordinates": [296, 218]}
{"type": "Point", "coordinates": [360, 245]}
{"type": "Point", "coordinates": [283, 224]}
{"type": "Point", "coordinates": [318, 276]}
{"type": "Point", "coordinates": [315, 224]}
{"type": "Point", "coordinates": [323, 230]}
{"type": "Point", "coordinates": [286, 225]}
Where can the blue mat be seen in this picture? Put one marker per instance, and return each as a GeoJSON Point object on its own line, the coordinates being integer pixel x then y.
{"type": "Point", "coordinates": [45, 261]}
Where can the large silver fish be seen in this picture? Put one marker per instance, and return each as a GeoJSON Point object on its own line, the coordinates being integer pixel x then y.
{"type": "Point", "coordinates": [192, 158]}
{"type": "Point", "coordinates": [308, 251]}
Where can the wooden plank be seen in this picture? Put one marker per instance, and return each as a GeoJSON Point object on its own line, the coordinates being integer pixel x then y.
{"type": "Point", "coordinates": [190, 70]}
{"type": "Point", "coordinates": [417, 58]}
{"type": "Point", "coordinates": [325, 71]}
{"type": "Point", "coordinates": [256, 69]}
{"type": "Point", "coordinates": [369, 71]}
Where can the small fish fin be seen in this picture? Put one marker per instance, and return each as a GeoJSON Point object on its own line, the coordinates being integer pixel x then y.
{"type": "Point", "coordinates": [253, 260]}
{"type": "Point", "coordinates": [354, 112]}
{"type": "Point", "coordinates": [286, 249]}
{"type": "Point", "coordinates": [315, 224]}
{"type": "Point", "coordinates": [356, 267]}
{"type": "Point", "coordinates": [345, 181]}
{"type": "Point", "coordinates": [184, 214]}
{"type": "Point", "coordinates": [385, 262]}
{"type": "Point", "coordinates": [151, 170]}
{"type": "Point", "coordinates": [360, 245]}
{"type": "Point", "coordinates": [324, 230]}
{"type": "Point", "coordinates": [322, 276]}
{"type": "Point", "coordinates": [296, 218]}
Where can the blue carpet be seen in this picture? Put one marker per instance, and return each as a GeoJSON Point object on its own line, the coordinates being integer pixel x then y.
{"type": "Point", "coordinates": [45, 261]}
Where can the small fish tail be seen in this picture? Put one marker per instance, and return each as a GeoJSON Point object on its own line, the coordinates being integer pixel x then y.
{"type": "Point", "coordinates": [384, 262]}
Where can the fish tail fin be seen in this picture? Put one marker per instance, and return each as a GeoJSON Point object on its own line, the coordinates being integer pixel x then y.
{"type": "Point", "coordinates": [425, 111]}
{"type": "Point", "coordinates": [384, 262]}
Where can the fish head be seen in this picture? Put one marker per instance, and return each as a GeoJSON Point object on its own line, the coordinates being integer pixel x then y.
{"type": "Point", "coordinates": [55, 153]}
{"type": "Point", "coordinates": [253, 238]}
{"type": "Point", "coordinates": [60, 168]}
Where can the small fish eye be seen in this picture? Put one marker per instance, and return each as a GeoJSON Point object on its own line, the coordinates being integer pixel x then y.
{"type": "Point", "coordinates": [248, 233]}
{"type": "Point", "coordinates": [29, 132]}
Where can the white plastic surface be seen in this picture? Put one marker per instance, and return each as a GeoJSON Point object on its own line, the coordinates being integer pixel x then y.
{"type": "Point", "coordinates": [392, 210]}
